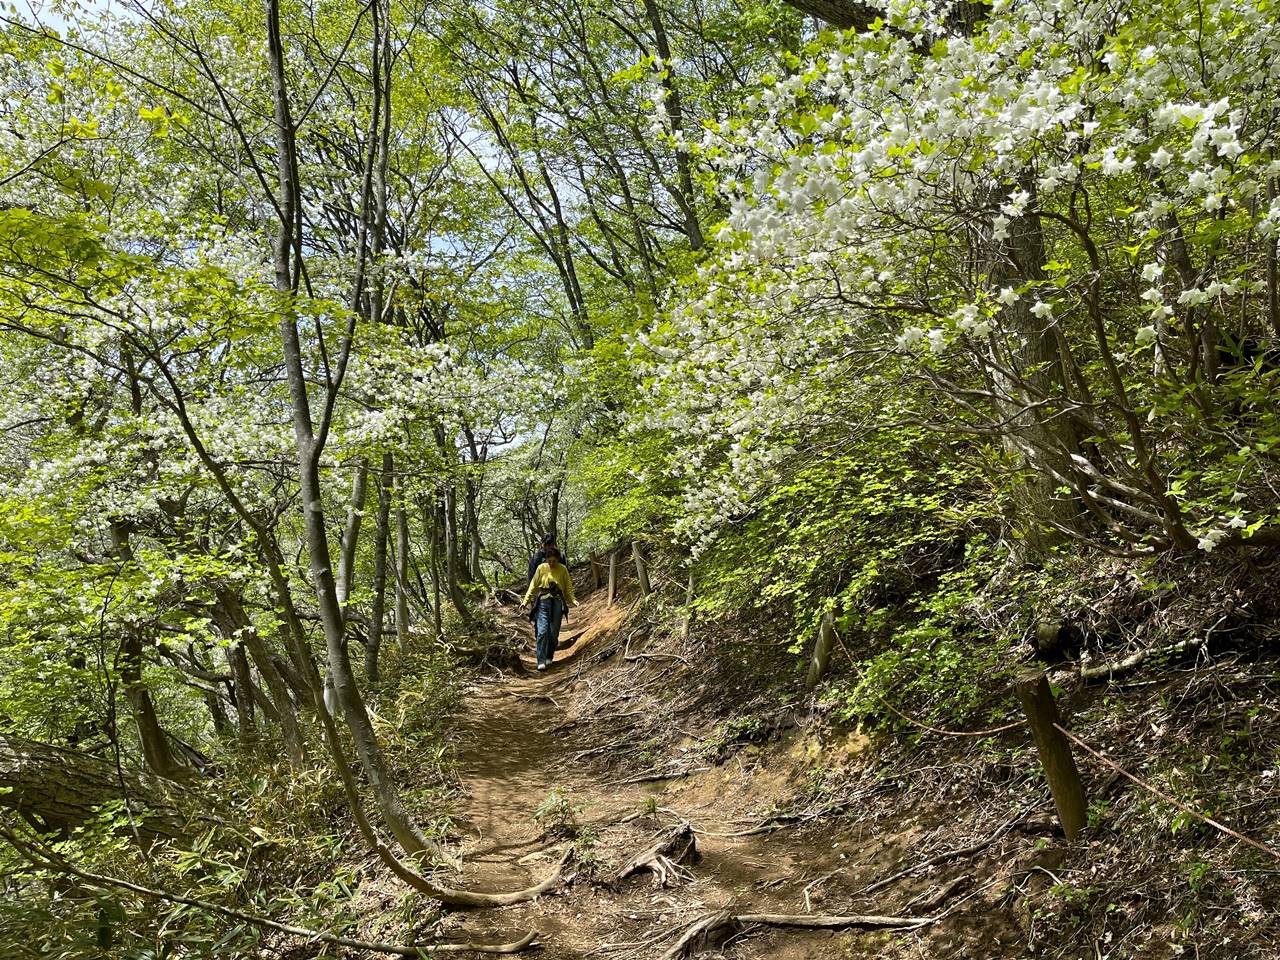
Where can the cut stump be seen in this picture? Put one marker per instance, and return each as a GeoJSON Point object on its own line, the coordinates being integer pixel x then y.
{"type": "Point", "coordinates": [665, 857]}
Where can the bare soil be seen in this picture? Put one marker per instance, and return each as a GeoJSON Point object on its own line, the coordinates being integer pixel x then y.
{"type": "Point", "coordinates": [586, 728]}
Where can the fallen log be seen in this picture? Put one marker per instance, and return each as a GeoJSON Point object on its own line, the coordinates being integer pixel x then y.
{"type": "Point", "coordinates": [54, 788]}
{"type": "Point", "coordinates": [664, 857]}
{"type": "Point", "coordinates": [715, 929]}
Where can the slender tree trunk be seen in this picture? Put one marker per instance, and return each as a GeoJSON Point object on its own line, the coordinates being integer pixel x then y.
{"type": "Point", "coordinates": [345, 688]}
{"type": "Point", "coordinates": [229, 607]}
{"type": "Point", "coordinates": [402, 570]}
{"type": "Point", "coordinates": [378, 618]}
{"type": "Point", "coordinates": [554, 521]}
{"type": "Point", "coordinates": [451, 553]}
{"type": "Point", "coordinates": [437, 593]}
{"type": "Point", "coordinates": [1273, 273]}
{"type": "Point", "coordinates": [642, 569]}
{"type": "Point", "coordinates": [217, 712]}
{"type": "Point", "coordinates": [264, 703]}
{"type": "Point", "coordinates": [242, 684]}
{"type": "Point", "coordinates": [351, 531]}
{"type": "Point", "coordinates": [474, 544]}
{"type": "Point", "coordinates": [675, 112]}
{"type": "Point", "coordinates": [155, 744]}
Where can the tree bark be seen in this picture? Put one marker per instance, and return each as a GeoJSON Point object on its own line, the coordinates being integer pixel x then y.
{"type": "Point", "coordinates": [60, 789]}
{"type": "Point", "coordinates": [155, 745]}
{"type": "Point", "coordinates": [402, 570]}
{"type": "Point", "coordinates": [839, 13]}
{"type": "Point", "coordinates": [351, 531]}
{"type": "Point", "coordinates": [377, 619]}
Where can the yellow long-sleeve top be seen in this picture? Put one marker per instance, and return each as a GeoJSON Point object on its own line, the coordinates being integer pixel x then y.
{"type": "Point", "coordinates": [546, 576]}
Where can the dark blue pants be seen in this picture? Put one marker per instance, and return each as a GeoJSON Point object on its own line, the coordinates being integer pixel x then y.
{"type": "Point", "coordinates": [547, 627]}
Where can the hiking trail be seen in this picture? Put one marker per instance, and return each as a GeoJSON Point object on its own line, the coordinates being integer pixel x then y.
{"type": "Point", "coordinates": [584, 728]}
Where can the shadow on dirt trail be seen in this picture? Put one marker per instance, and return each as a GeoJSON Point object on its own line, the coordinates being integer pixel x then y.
{"type": "Point", "coordinates": [520, 737]}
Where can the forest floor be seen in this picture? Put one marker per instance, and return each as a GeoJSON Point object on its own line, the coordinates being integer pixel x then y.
{"type": "Point", "coordinates": [605, 740]}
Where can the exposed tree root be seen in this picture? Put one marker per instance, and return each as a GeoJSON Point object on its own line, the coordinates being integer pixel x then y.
{"type": "Point", "coordinates": [946, 855]}
{"type": "Point", "coordinates": [942, 894]}
{"type": "Point", "coordinates": [664, 858]}
{"type": "Point", "coordinates": [715, 929]}
{"type": "Point", "coordinates": [47, 859]}
{"type": "Point", "coordinates": [467, 899]}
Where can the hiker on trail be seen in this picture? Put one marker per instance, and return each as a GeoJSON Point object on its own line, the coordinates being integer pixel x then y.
{"type": "Point", "coordinates": [551, 590]}
{"type": "Point", "coordinates": [535, 561]}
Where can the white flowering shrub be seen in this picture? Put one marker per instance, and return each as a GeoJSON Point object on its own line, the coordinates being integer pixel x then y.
{"type": "Point", "coordinates": [1054, 233]}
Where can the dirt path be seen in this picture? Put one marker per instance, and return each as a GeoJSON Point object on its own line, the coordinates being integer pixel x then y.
{"type": "Point", "coordinates": [520, 737]}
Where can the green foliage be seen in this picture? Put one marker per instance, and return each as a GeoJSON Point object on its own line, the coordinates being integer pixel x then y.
{"type": "Point", "coordinates": [627, 480]}
{"type": "Point", "coordinates": [558, 814]}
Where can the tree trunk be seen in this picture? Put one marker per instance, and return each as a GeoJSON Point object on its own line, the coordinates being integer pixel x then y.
{"type": "Point", "coordinates": [675, 112]}
{"type": "Point", "coordinates": [378, 618]}
{"type": "Point", "coordinates": [436, 591]}
{"type": "Point", "coordinates": [351, 531]}
{"type": "Point", "coordinates": [229, 613]}
{"type": "Point", "coordinates": [554, 520]}
{"type": "Point", "coordinates": [451, 553]}
{"type": "Point", "coordinates": [686, 625]}
{"type": "Point", "coordinates": [642, 570]}
{"type": "Point", "coordinates": [844, 14]}
{"type": "Point", "coordinates": [155, 745]}
{"type": "Point", "coordinates": [1044, 442]}
{"type": "Point", "coordinates": [821, 651]}
{"type": "Point", "coordinates": [474, 543]}
{"type": "Point", "coordinates": [242, 686]}
{"type": "Point", "coordinates": [402, 570]}
{"type": "Point", "coordinates": [346, 691]}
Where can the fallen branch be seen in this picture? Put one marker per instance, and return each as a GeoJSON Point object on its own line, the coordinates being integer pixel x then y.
{"type": "Point", "coordinates": [715, 929]}
{"type": "Point", "coordinates": [1107, 671]}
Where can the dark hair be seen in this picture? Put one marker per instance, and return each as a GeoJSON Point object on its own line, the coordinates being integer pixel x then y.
{"type": "Point", "coordinates": [548, 538]}
{"type": "Point", "coordinates": [551, 550]}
